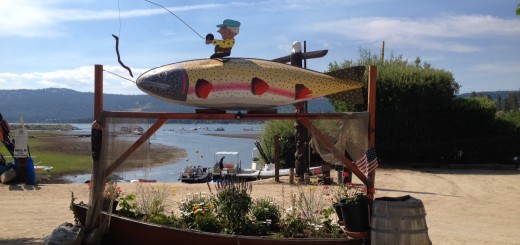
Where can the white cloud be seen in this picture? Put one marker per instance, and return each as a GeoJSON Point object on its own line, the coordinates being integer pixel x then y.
{"type": "Point", "coordinates": [26, 18]}
{"type": "Point", "coordinates": [79, 79]}
{"type": "Point", "coordinates": [497, 68]}
{"type": "Point", "coordinates": [440, 33]}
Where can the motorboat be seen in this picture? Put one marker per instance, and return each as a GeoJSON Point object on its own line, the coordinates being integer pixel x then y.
{"type": "Point", "coordinates": [195, 174]}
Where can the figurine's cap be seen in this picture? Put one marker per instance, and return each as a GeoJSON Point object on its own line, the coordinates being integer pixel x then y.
{"type": "Point", "coordinates": [229, 23]}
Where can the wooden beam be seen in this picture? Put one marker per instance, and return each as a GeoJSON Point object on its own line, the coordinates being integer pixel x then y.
{"type": "Point", "coordinates": [146, 135]}
{"type": "Point", "coordinates": [372, 81]}
{"type": "Point", "coordinates": [338, 155]}
{"type": "Point", "coordinates": [98, 90]}
{"type": "Point", "coordinates": [227, 116]}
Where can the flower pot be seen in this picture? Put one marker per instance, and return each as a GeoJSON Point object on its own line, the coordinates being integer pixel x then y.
{"type": "Point", "coordinates": [106, 205]}
{"type": "Point", "coordinates": [337, 208]}
{"type": "Point", "coordinates": [355, 216]}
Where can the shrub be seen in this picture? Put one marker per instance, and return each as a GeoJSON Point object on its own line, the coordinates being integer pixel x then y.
{"type": "Point", "coordinates": [233, 202]}
{"type": "Point", "coordinates": [150, 200]}
{"type": "Point", "coordinates": [192, 204]}
{"type": "Point", "coordinates": [265, 210]}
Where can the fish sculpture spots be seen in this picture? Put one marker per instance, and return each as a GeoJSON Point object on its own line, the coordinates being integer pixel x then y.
{"type": "Point", "coordinates": [247, 84]}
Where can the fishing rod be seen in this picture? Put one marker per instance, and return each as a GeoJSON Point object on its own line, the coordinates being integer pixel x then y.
{"type": "Point", "coordinates": [177, 18]}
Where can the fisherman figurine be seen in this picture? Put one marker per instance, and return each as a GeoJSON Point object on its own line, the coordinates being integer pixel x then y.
{"type": "Point", "coordinates": [228, 29]}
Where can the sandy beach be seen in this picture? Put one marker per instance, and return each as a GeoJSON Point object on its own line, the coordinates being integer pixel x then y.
{"type": "Point", "coordinates": [463, 206]}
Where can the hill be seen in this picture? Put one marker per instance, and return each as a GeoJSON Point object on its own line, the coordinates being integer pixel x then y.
{"type": "Point", "coordinates": [58, 105]}
{"type": "Point", "coordinates": [492, 94]}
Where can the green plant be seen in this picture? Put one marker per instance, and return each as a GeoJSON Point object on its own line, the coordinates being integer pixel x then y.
{"type": "Point", "coordinates": [347, 193]}
{"type": "Point", "coordinates": [207, 221]}
{"type": "Point", "coordinates": [310, 202]}
{"type": "Point", "coordinates": [265, 210]}
{"type": "Point", "coordinates": [233, 202]}
{"type": "Point", "coordinates": [128, 207]}
{"type": "Point", "coordinates": [292, 224]}
{"type": "Point", "coordinates": [355, 194]}
{"type": "Point", "coordinates": [192, 204]}
{"type": "Point", "coordinates": [112, 191]}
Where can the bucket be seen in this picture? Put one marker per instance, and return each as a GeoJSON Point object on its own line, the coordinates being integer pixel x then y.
{"type": "Point", "coordinates": [355, 217]}
{"type": "Point", "coordinates": [399, 221]}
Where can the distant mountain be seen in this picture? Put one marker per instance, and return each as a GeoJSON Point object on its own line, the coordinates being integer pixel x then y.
{"type": "Point", "coordinates": [58, 105]}
{"type": "Point", "coordinates": [493, 94]}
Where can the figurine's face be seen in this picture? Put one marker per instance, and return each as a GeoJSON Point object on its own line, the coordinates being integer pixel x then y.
{"type": "Point", "coordinates": [226, 33]}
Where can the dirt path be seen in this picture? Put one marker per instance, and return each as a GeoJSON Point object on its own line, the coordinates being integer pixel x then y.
{"type": "Point", "coordinates": [463, 206]}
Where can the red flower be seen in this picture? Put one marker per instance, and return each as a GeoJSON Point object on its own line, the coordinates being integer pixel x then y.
{"type": "Point", "coordinates": [345, 174]}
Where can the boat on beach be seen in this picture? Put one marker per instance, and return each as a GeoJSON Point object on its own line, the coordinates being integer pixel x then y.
{"type": "Point", "coordinates": [224, 169]}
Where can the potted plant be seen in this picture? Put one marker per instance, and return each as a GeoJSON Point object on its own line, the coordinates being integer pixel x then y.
{"type": "Point", "coordinates": [354, 208]}
{"type": "Point", "coordinates": [111, 194]}
{"type": "Point", "coordinates": [337, 194]}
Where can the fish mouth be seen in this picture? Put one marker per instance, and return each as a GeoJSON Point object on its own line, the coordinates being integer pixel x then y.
{"type": "Point", "coordinates": [151, 85]}
{"type": "Point", "coordinates": [168, 84]}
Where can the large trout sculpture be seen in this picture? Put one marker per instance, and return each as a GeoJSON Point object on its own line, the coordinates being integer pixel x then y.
{"type": "Point", "coordinates": [247, 84]}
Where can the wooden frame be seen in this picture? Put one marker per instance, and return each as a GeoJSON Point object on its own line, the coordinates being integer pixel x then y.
{"type": "Point", "coordinates": [304, 118]}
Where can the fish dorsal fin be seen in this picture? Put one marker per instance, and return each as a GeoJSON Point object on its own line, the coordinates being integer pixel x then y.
{"type": "Point", "coordinates": [351, 96]}
{"type": "Point", "coordinates": [351, 74]}
{"type": "Point", "coordinates": [354, 73]}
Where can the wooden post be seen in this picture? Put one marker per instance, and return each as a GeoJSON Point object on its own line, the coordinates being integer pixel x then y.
{"type": "Point", "coordinates": [277, 158]}
{"type": "Point", "coordinates": [372, 81]}
{"type": "Point", "coordinates": [98, 90]}
{"type": "Point", "coordinates": [382, 52]}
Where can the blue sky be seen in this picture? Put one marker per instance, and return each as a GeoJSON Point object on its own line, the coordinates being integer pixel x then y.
{"type": "Point", "coordinates": [55, 43]}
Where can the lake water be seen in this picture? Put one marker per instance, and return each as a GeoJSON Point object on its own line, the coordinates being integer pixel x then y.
{"type": "Point", "coordinates": [199, 147]}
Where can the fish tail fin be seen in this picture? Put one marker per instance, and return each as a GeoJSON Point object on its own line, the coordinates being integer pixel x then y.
{"type": "Point", "coordinates": [352, 75]}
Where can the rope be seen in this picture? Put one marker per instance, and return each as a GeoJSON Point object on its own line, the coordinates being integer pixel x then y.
{"type": "Point", "coordinates": [118, 75]}
{"type": "Point", "coordinates": [177, 18]}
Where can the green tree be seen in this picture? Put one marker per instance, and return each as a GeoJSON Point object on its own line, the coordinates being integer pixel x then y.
{"type": "Point", "coordinates": [418, 118]}
{"type": "Point", "coordinates": [285, 130]}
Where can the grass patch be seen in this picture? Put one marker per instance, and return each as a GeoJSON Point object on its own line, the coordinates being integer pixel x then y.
{"type": "Point", "coordinates": [64, 152]}
{"type": "Point", "coordinates": [68, 153]}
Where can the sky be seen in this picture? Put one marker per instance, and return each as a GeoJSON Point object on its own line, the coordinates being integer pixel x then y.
{"type": "Point", "coordinates": [56, 43]}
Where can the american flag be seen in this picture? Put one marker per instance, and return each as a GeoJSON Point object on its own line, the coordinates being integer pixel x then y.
{"type": "Point", "coordinates": [368, 163]}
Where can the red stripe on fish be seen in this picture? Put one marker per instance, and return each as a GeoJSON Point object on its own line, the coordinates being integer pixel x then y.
{"type": "Point", "coordinates": [239, 86]}
{"type": "Point", "coordinates": [258, 86]}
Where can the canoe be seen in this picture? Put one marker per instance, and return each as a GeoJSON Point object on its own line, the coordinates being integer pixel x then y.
{"type": "Point", "coordinates": [128, 231]}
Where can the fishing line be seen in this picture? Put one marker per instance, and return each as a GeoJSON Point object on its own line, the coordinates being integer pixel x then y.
{"type": "Point", "coordinates": [177, 18]}
{"type": "Point", "coordinates": [119, 75]}
{"type": "Point", "coordinates": [117, 43]}
{"type": "Point", "coordinates": [119, 8]}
